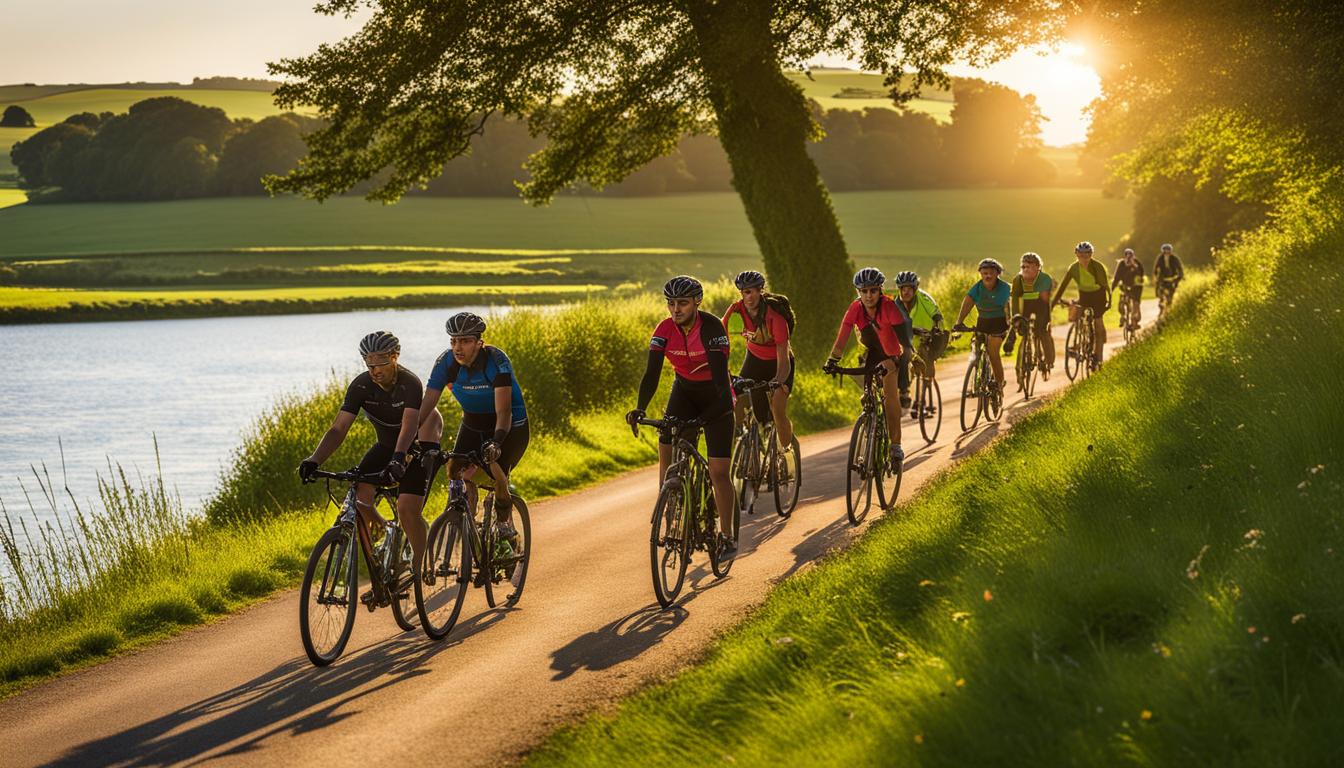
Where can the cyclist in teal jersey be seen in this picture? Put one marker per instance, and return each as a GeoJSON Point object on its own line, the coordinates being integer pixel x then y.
{"type": "Point", "coordinates": [990, 298]}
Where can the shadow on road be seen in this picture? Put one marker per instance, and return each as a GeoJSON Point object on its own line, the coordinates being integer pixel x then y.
{"type": "Point", "coordinates": [248, 714]}
{"type": "Point", "coordinates": [619, 641]}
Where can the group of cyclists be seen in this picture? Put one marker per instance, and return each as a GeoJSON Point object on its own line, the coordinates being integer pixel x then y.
{"type": "Point", "coordinates": [696, 343]}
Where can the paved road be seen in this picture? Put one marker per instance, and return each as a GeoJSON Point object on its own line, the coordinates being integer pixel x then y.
{"type": "Point", "coordinates": [241, 691]}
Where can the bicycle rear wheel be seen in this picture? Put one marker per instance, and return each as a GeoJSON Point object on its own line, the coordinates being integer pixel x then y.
{"type": "Point", "coordinates": [443, 584]}
{"type": "Point", "coordinates": [1073, 354]}
{"type": "Point", "coordinates": [786, 487]}
{"type": "Point", "coordinates": [970, 393]}
{"type": "Point", "coordinates": [402, 600]}
{"type": "Point", "coordinates": [746, 468]}
{"type": "Point", "coordinates": [512, 570]}
{"type": "Point", "coordinates": [329, 595]}
{"type": "Point", "coordinates": [669, 550]}
{"type": "Point", "coordinates": [930, 412]}
{"type": "Point", "coordinates": [858, 477]}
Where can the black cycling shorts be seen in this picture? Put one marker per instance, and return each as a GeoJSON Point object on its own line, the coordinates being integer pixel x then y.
{"type": "Point", "coordinates": [687, 401]}
{"type": "Point", "coordinates": [415, 481]}
{"type": "Point", "coordinates": [1041, 310]}
{"type": "Point", "coordinates": [1094, 299]}
{"type": "Point", "coordinates": [994, 326]}
{"type": "Point", "coordinates": [510, 453]}
{"type": "Point", "coordinates": [758, 369]}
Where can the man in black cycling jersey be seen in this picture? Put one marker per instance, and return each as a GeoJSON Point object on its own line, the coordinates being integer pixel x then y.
{"type": "Point", "coordinates": [390, 397]}
{"type": "Point", "coordinates": [1168, 272]}
{"type": "Point", "coordinates": [1129, 276]}
{"type": "Point", "coordinates": [696, 344]}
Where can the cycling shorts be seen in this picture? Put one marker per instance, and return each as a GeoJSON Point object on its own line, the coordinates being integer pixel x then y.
{"type": "Point", "coordinates": [1094, 299]}
{"type": "Point", "coordinates": [415, 481]}
{"type": "Point", "coordinates": [1042, 311]}
{"type": "Point", "coordinates": [510, 453]}
{"type": "Point", "coordinates": [687, 401]}
{"type": "Point", "coordinates": [758, 369]}
{"type": "Point", "coordinates": [994, 326]}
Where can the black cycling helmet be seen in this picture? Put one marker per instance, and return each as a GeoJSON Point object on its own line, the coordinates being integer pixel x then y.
{"type": "Point", "coordinates": [1083, 247]}
{"type": "Point", "coordinates": [749, 279]}
{"type": "Point", "coordinates": [869, 277]}
{"type": "Point", "coordinates": [1031, 257]}
{"type": "Point", "coordinates": [907, 278]}
{"type": "Point", "coordinates": [683, 287]}
{"type": "Point", "coordinates": [992, 264]}
{"type": "Point", "coordinates": [465, 324]}
{"type": "Point", "coordinates": [379, 343]}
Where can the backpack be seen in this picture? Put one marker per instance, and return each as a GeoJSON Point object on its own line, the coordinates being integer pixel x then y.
{"type": "Point", "coordinates": [780, 303]}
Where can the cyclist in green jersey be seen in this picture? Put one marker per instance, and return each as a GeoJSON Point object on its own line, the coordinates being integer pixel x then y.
{"type": "Point", "coordinates": [922, 313]}
{"type": "Point", "coordinates": [1030, 293]}
{"type": "Point", "coordinates": [1093, 291]}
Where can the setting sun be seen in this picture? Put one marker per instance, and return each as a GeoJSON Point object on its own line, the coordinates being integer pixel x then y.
{"type": "Point", "coordinates": [1061, 78]}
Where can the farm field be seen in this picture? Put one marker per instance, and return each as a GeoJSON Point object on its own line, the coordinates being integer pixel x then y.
{"type": "Point", "coordinates": [824, 84]}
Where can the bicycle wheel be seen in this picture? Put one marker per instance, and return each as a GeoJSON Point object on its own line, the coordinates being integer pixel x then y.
{"type": "Point", "coordinates": [669, 552]}
{"type": "Point", "coordinates": [858, 479]}
{"type": "Point", "coordinates": [1073, 359]}
{"type": "Point", "coordinates": [719, 564]}
{"type": "Point", "coordinates": [512, 569]}
{"type": "Point", "coordinates": [885, 477]}
{"type": "Point", "coordinates": [445, 574]}
{"type": "Point", "coordinates": [746, 468]}
{"type": "Point", "coordinates": [329, 595]}
{"type": "Point", "coordinates": [402, 599]}
{"type": "Point", "coordinates": [991, 397]}
{"type": "Point", "coordinates": [970, 393]}
{"type": "Point", "coordinates": [786, 487]}
{"type": "Point", "coordinates": [930, 412]}
{"type": "Point", "coordinates": [1026, 364]}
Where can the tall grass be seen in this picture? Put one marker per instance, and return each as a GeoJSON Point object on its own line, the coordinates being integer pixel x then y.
{"type": "Point", "coordinates": [1146, 572]}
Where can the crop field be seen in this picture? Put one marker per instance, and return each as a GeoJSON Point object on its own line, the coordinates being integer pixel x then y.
{"type": "Point", "coordinates": [824, 84]}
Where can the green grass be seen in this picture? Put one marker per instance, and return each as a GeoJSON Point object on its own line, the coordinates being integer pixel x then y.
{"type": "Point", "coordinates": [1147, 571]}
{"type": "Point", "coordinates": [825, 84]}
{"type": "Point", "coordinates": [51, 109]}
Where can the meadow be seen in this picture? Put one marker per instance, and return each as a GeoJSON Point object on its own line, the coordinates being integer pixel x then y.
{"type": "Point", "coordinates": [166, 258]}
{"type": "Point", "coordinates": [1144, 572]}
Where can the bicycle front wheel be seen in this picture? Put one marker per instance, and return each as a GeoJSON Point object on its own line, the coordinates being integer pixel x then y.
{"type": "Point", "coordinates": [442, 586]}
{"type": "Point", "coordinates": [512, 570]}
{"type": "Point", "coordinates": [669, 551]}
{"type": "Point", "coordinates": [788, 471]}
{"type": "Point", "coordinates": [930, 411]}
{"type": "Point", "coordinates": [746, 468]}
{"type": "Point", "coordinates": [1073, 354]}
{"type": "Point", "coordinates": [402, 600]}
{"type": "Point", "coordinates": [858, 478]}
{"type": "Point", "coordinates": [970, 394]}
{"type": "Point", "coordinates": [329, 595]}
{"type": "Point", "coordinates": [886, 477]}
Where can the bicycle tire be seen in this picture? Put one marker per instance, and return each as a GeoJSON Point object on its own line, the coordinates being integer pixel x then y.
{"type": "Point", "coordinates": [402, 612]}
{"type": "Point", "coordinates": [1026, 363]}
{"type": "Point", "coordinates": [745, 470]}
{"type": "Point", "coordinates": [719, 564]}
{"type": "Point", "coordinates": [665, 550]}
{"type": "Point", "coordinates": [932, 397]}
{"type": "Point", "coordinates": [518, 575]}
{"type": "Point", "coordinates": [968, 393]}
{"type": "Point", "coordinates": [336, 555]}
{"type": "Point", "coordinates": [786, 495]}
{"type": "Point", "coordinates": [1072, 353]}
{"type": "Point", "coordinates": [439, 609]}
{"type": "Point", "coordinates": [886, 498]}
{"type": "Point", "coordinates": [857, 500]}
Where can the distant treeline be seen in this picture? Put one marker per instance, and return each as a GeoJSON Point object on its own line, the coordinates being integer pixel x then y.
{"type": "Point", "coordinates": [168, 148]}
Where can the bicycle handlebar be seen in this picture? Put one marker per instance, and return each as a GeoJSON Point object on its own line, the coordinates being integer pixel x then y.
{"type": "Point", "coordinates": [352, 475]}
{"type": "Point", "coordinates": [742, 386]}
{"type": "Point", "coordinates": [836, 370]}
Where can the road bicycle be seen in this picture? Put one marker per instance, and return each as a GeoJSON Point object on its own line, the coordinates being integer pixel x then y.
{"type": "Point", "coordinates": [979, 386]}
{"type": "Point", "coordinates": [330, 591]}
{"type": "Point", "coordinates": [928, 397]}
{"type": "Point", "coordinates": [685, 518]}
{"type": "Point", "coordinates": [1031, 363]}
{"type": "Point", "coordinates": [758, 462]}
{"type": "Point", "coordinates": [1129, 313]}
{"type": "Point", "coordinates": [1166, 293]}
{"type": "Point", "coordinates": [868, 468]}
{"type": "Point", "coordinates": [463, 553]}
{"type": "Point", "coordinates": [1080, 351]}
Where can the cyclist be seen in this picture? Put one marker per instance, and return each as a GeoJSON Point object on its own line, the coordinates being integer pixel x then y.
{"type": "Point", "coordinates": [768, 353]}
{"type": "Point", "coordinates": [1129, 275]}
{"type": "Point", "coordinates": [390, 397]}
{"type": "Point", "coordinates": [494, 416]}
{"type": "Point", "coordinates": [1168, 271]}
{"type": "Point", "coordinates": [922, 313]}
{"type": "Point", "coordinates": [696, 344]}
{"type": "Point", "coordinates": [1093, 291]}
{"type": "Point", "coordinates": [1030, 293]}
{"type": "Point", "coordinates": [990, 296]}
{"type": "Point", "coordinates": [885, 335]}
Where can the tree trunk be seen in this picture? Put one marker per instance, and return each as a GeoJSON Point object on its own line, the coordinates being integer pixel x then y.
{"type": "Point", "coordinates": [764, 126]}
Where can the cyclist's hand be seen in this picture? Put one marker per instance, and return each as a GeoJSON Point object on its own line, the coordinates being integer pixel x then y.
{"type": "Point", "coordinates": [306, 469]}
{"type": "Point", "coordinates": [831, 364]}
{"type": "Point", "coordinates": [1017, 319]}
{"type": "Point", "coordinates": [961, 328]}
{"type": "Point", "coordinates": [490, 452]}
{"type": "Point", "coordinates": [633, 416]}
{"type": "Point", "coordinates": [395, 470]}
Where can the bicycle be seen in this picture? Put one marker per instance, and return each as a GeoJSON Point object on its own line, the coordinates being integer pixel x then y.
{"type": "Point", "coordinates": [869, 445]}
{"type": "Point", "coordinates": [1030, 358]}
{"type": "Point", "coordinates": [979, 385]}
{"type": "Point", "coordinates": [333, 568]}
{"type": "Point", "coordinates": [685, 518]}
{"type": "Point", "coordinates": [1166, 293]}
{"type": "Point", "coordinates": [758, 462]}
{"type": "Point", "coordinates": [462, 553]}
{"type": "Point", "coordinates": [928, 396]}
{"type": "Point", "coordinates": [1080, 351]}
{"type": "Point", "coordinates": [1129, 310]}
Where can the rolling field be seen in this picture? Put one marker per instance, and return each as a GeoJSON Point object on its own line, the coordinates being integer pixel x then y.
{"type": "Point", "coordinates": [826, 83]}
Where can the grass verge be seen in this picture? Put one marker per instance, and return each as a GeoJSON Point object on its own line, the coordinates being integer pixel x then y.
{"type": "Point", "coordinates": [1145, 571]}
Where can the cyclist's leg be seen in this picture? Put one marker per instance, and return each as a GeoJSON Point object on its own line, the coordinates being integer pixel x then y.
{"type": "Point", "coordinates": [375, 460]}
{"type": "Point", "coordinates": [1099, 334]}
{"type": "Point", "coordinates": [1046, 339]}
{"type": "Point", "coordinates": [891, 391]}
{"type": "Point", "coordinates": [779, 408]}
{"type": "Point", "coordinates": [510, 453]}
{"type": "Point", "coordinates": [719, 449]}
{"type": "Point", "coordinates": [934, 350]}
{"type": "Point", "coordinates": [757, 369]}
{"type": "Point", "coordinates": [680, 405]}
{"type": "Point", "coordinates": [995, 328]}
{"type": "Point", "coordinates": [903, 376]}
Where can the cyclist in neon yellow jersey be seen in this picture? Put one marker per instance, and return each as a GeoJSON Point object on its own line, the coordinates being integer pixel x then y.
{"type": "Point", "coordinates": [1030, 293]}
{"type": "Point", "coordinates": [922, 313]}
{"type": "Point", "coordinates": [1093, 291]}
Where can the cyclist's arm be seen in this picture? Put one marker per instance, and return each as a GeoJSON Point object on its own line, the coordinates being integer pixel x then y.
{"type": "Point", "coordinates": [1015, 299]}
{"type": "Point", "coordinates": [1059, 292]}
{"type": "Point", "coordinates": [723, 387]}
{"type": "Point", "coordinates": [966, 304]}
{"type": "Point", "coordinates": [1045, 295]}
{"type": "Point", "coordinates": [334, 437]}
{"type": "Point", "coordinates": [1180, 270]}
{"type": "Point", "coordinates": [649, 384]}
{"type": "Point", "coordinates": [503, 410]}
{"type": "Point", "coordinates": [782, 362]}
{"type": "Point", "coordinates": [429, 403]}
{"type": "Point", "coordinates": [410, 424]}
{"type": "Point", "coordinates": [842, 338]}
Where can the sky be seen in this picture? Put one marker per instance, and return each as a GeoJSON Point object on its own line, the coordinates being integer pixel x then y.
{"type": "Point", "coordinates": [112, 41]}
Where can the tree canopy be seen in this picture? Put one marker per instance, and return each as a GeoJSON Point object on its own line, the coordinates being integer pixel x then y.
{"type": "Point", "coordinates": [16, 116]}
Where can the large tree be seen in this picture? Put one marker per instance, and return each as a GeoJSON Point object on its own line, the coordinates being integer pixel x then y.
{"type": "Point", "coordinates": [614, 84]}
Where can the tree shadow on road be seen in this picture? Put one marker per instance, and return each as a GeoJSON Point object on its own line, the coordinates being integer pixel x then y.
{"type": "Point", "coordinates": [293, 698]}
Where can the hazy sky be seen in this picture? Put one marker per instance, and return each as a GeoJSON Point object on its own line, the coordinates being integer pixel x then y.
{"type": "Point", "coordinates": [111, 41]}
